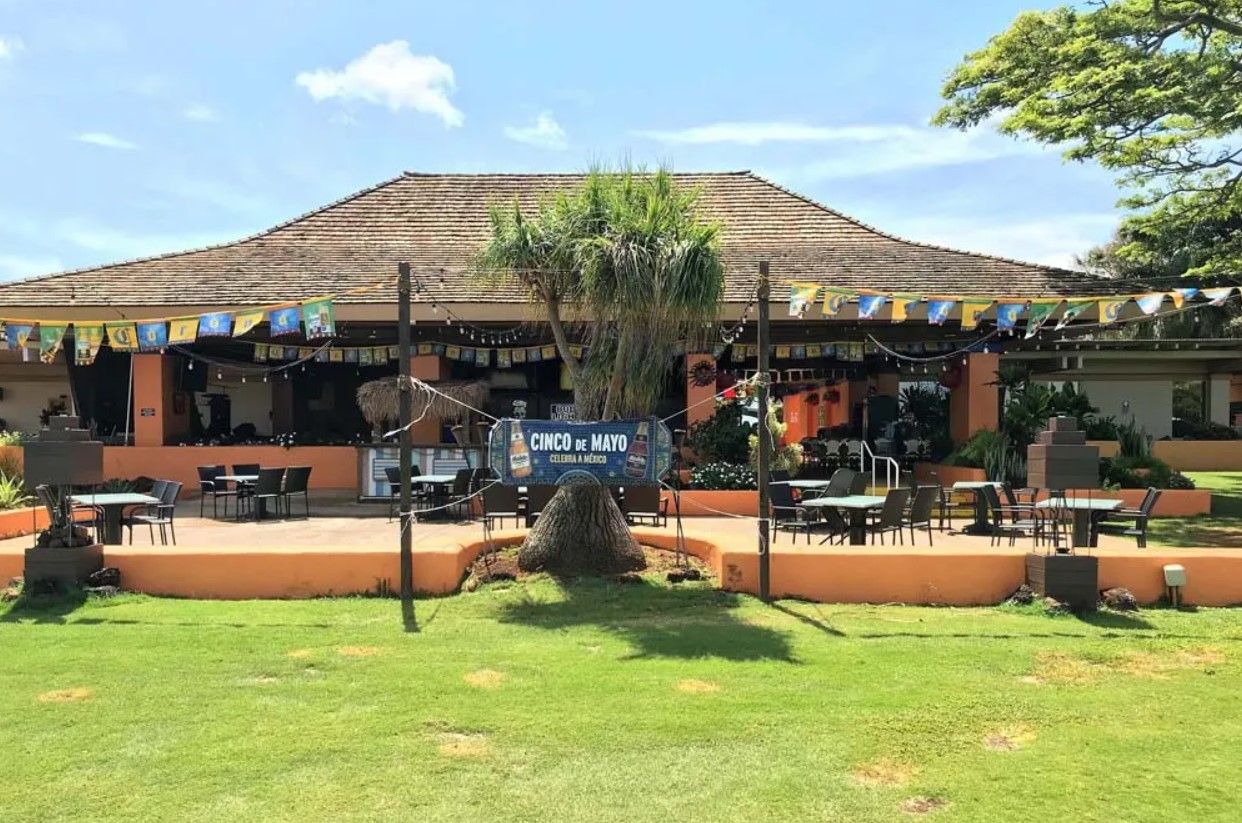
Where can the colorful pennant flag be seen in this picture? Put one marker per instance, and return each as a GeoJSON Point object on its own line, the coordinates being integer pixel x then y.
{"type": "Point", "coordinates": [1007, 315]}
{"type": "Point", "coordinates": [18, 334]}
{"type": "Point", "coordinates": [244, 321]}
{"type": "Point", "coordinates": [183, 329]}
{"type": "Point", "coordinates": [782, 352]}
{"type": "Point", "coordinates": [1180, 296]}
{"type": "Point", "coordinates": [215, 324]}
{"type": "Point", "coordinates": [122, 336]}
{"type": "Point", "coordinates": [262, 352]}
{"type": "Point", "coordinates": [972, 312]}
{"type": "Point", "coordinates": [1217, 297]}
{"type": "Point", "coordinates": [86, 343]}
{"type": "Point", "coordinates": [519, 355]}
{"type": "Point", "coordinates": [336, 355]}
{"type": "Point", "coordinates": [801, 296]}
{"type": "Point", "coordinates": [1073, 310]}
{"type": "Point", "coordinates": [364, 357]}
{"type": "Point", "coordinates": [902, 306]}
{"type": "Point", "coordinates": [938, 311]}
{"type": "Point", "coordinates": [287, 320]}
{"type": "Point", "coordinates": [869, 305]}
{"type": "Point", "coordinates": [483, 357]}
{"type": "Point", "coordinates": [504, 358]}
{"type": "Point", "coordinates": [50, 338]}
{"type": "Point", "coordinates": [351, 356]}
{"type": "Point", "coordinates": [394, 352]}
{"type": "Point", "coordinates": [1037, 315]}
{"type": "Point", "coordinates": [152, 336]}
{"type": "Point", "coordinates": [1150, 303]}
{"type": "Point", "coordinates": [1110, 309]}
{"type": "Point", "coordinates": [320, 318]}
{"type": "Point", "coordinates": [577, 352]}
{"type": "Point", "coordinates": [814, 350]}
{"type": "Point", "coordinates": [549, 352]}
{"type": "Point", "coordinates": [834, 301]}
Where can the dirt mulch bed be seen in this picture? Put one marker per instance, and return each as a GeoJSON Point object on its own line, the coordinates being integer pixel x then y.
{"type": "Point", "coordinates": [503, 565]}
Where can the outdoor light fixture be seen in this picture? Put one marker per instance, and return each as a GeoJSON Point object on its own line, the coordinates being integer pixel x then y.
{"type": "Point", "coordinates": [1174, 580]}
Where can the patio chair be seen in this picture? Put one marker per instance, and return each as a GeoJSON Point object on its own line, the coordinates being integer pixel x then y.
{"type": "Point", "coordinates": [921, 508]}
{"type": "Point", "coordinates": [953, 504]}
{"type": "Point", "coordinates": [244, 489]}
{"type": "Point", "coordinates": [393, 475]}
{"type": "Point", "coordinates": [208, 486]}
{"type": "Point", "coordinates": [832, 453]}
{"type": "Point", "coordinates": [537, 499]}
{"type": "Point", "coordinates": [829, 522]}
{"type": "Point", "coordinates": [162, 514]}
{"type": "Point", "coordinates": [1012, 521]}
{"type": "Point", "coordinates": [859, 483]}
{"type": "Point", "coordinates": [1115, 522]}
{"type": "Point", "coordinates": [642, 504]}
{"type": "Point", "coordinates": [461, 490]}
{"type": "Point", "coordinates": [787, 515]}
{"type": "Point", "coordinates": [268, 488]}
{"type": "Point", "coordinates": [892, 516]}
{"type": "Point", "coordinates": [853, 452]}
{"type": "Point", "coordinates": [499, 502]}
{"type": "Point", "coordinates": [297, 481]}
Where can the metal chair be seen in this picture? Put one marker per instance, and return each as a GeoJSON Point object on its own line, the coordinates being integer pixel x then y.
{"type": "Point", "coordinates": [393, 475]}
{"type": "Point", "coordinates": [892, 516]}
{"type": "Point", "coordinates": [162, 514]}
{"type": "Point", "coordinates": [297, 481]}
{"type": "Point", "coordinates": [537, 499]}
{"type": "Point", "coordinates": [859, 483]}
{"type": "Point", "coordinates": [643, 503]}
{"type": "Point", "coordinates": [462, 489]}
{"type": "Point", "coordinates": [269, 487]}
{"type": "Point", "coordinates": [787, 515]}
{"type": "Point", "coordinates": [920, 514]}
{"type": "Point", "coordinates": [1137, 518]}
{"type": "Point", "coordinates": [500, 502]}
{"type": "Point", "coordinates": [208, 486]}
{"type": "Point", "coordinates": [1012, 521]}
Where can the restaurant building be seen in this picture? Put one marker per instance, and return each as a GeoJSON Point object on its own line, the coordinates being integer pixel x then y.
{"type": "Point", "coordinates": [257, 397]}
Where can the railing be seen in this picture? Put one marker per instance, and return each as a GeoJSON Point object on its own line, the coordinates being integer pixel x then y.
{"type": "Point", "coordinates": [892, 469]}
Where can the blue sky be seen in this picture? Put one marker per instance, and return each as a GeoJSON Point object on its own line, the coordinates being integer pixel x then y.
{"type": "Point", "coordinates": [134, 128]}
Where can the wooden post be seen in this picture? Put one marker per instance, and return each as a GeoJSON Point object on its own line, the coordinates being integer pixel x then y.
{"type": "Point", "coordinates": [405, 451]}
{"type": "Point", "coordinates": [765, 437]}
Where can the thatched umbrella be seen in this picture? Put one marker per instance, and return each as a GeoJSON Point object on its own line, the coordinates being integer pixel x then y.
{"type": "Point", "coordinates": [451, 401]}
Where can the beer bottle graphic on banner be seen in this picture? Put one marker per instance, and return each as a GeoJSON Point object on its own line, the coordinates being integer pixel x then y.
{"type": "Point", "coordinates": [519, 455]}
{"type": "Point", "coordinates": [636, 455]}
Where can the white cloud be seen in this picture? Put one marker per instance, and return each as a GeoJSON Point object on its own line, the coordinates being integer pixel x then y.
{"type": "Point", "coordinates": [200, 113]}
{"type": "Point", "coordinates": [9, 47]}
{"type": "Point", "coordinates": [107, 141]}
{"type": "Point", "coordinates": [14, 266]}
{"type": "Point", "coordinates": [857, 150]}
{"type": "Point", "coordinates": [544, 133]}
{"type": "Point", "coordinates": [390, 75]}
{"type": "Point", "coordinates": [1053, 241]}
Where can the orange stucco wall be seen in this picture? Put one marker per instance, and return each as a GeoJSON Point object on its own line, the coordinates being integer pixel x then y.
{"type": "Point", "coordinates": [1200, 455]}
{"type": "Point", "coordinates": [974, 404]}
{"type": "Point", "coordinates": [17, 523]}
{"type": "Point", "coordinates": [155, 413]}
{"type": "Point", "coordinates": [333, 467]}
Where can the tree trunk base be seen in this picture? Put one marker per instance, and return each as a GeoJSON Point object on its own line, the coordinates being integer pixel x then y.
{"type": "Point", "coordinates": [581, 532]}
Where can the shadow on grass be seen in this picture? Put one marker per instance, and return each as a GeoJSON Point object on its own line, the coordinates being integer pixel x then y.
{"type": "Point", "coordinates": [656, 620]}
{"type": "Point", "coordinates": [44, 608]}
{"type": "Point", "coordinates": [1197, 532]}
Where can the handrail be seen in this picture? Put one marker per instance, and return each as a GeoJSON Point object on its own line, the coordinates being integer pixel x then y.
{"type": "Point", "coordinates": [892, 469]}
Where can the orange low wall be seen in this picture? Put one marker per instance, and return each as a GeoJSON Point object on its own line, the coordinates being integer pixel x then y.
{"type": "Point", "coordinates": [1172, 502]}
{"type": "Point", "coordinates": [332, 467]}
{"type": "Point", "coordinates": [1200, 455]}
{"type": "Point", "coordinates": [704, 503]}
{"type": "Point", "coordinates": [18, 523]}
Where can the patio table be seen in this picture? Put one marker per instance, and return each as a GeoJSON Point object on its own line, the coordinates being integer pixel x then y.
{"type": "Point", "coordinates": [857, 505]}
{"type": "Point", "coordinates": [437, 482]}
{"type": "Point", "coordinates": [240, 480]}
{"type": "Point", "coordinates": [976, 487]}
{"type": "Point", "coordinates": [803, 484]}
{"type": "Point", "coordinates": [113, 506]}
{"type": "Point", "coordinates": [1087, 512]}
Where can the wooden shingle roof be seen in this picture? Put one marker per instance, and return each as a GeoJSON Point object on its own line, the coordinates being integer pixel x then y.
{"type": "Point", "coordinates": [438, 221]}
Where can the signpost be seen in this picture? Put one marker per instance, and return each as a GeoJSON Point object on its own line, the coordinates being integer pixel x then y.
{"type": "Point", "coordinates": [555, 452]}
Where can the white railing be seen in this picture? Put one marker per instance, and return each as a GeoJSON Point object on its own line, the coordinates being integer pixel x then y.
{"type": "Point", "coordinates": [892, 469]}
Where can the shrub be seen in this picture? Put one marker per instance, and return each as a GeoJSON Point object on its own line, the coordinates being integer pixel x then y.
{"type": "Point", "coordinates": [1134, 441]}
{"type": "Point", "coordinates": [1124, 472]}
{"type": "Point", "coordinates": [11, 438]}
{"type": "Point", "coordinates": [1210, 431]}
{"type": "Point", "coordinates": [12, 492]}
{"type": "Point", "coordinates": [1177, 480]}
{"type": "Point", "coordinates": [723, 476]}
{"type": "Point", "coordinates": [788, 457]}
{"type": "Point", "coordinates": [723, 437]}
{"type": "Point", "coordinates": [1100, 428]}
{"type": "Point", "coordinates": [973, 453]}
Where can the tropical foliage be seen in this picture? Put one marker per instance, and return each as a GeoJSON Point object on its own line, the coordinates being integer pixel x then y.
{"type": "Point", "coordinates": [13, 492]}
{"type": "Point", "coordinates": [1147, 88]}
{"type": "Point", "coordinates": [723, 437]}
{"type": "Point", "coordinates": [723, 476]}
{"type": "Point", "coordinates": [784, 458]}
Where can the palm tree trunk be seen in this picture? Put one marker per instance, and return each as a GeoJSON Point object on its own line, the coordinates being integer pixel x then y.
{"type": "Point", "coordinates": [581, 531]}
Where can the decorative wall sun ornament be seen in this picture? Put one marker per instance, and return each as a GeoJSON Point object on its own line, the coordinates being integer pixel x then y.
{"type": "Point", "coordinates": [703, 373]}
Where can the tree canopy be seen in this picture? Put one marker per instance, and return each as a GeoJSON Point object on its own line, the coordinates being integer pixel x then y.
{"type": "Point", "coordinates": [1149, 88]}
{"type": "Point", "coordinates": [625, 258]}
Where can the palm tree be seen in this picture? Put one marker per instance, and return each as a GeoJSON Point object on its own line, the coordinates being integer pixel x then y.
{"type": "Point", "coordinates": [625, 259]}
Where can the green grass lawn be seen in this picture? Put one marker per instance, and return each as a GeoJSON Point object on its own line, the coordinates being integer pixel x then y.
{"type": "Point", "coordinates": [598, 701]}
{"type": "Point", "coordinates": [1223, 527]}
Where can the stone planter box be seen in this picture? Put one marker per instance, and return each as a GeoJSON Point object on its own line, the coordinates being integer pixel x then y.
{"type": "Point", "coordinates": [1074, 579]}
